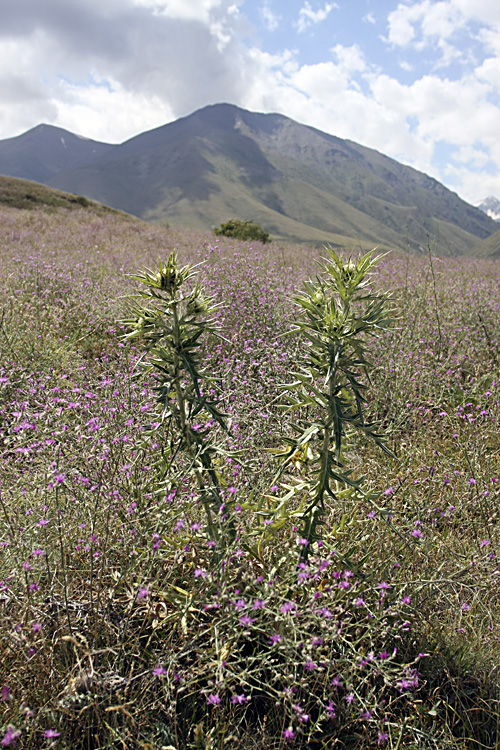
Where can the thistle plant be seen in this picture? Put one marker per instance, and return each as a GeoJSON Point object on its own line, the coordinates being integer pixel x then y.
{"type": "Point", "coordinates": [337, 314]}
{"type": "Point", "coordinates": [171, 325]}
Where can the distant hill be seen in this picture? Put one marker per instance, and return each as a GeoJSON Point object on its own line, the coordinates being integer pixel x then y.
{"type": "Point", "coordinates": [221, 162]}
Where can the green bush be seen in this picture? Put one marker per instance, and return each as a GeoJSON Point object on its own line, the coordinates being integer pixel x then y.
{"type": "Point", "coordinates": [243, 230]}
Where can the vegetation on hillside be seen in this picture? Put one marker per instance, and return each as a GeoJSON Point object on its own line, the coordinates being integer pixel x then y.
{"type": "Point", "coordinates": [243, 230]}
{"type": "Point", "coordinates": [16, 193]}
{"type": "Point", "coordinates": [124, 622]}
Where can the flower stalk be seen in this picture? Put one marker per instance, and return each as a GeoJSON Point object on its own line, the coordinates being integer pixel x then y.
{"type": "Point", "coordinates": [337, 313]}
{"type": "Point", "coordinates": [171, 325]}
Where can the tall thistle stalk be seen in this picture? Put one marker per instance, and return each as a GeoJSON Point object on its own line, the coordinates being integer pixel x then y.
{"type": "Point", "coordinates": [337, 314]}
{"type": "Point", "coordinates": [171, 325]}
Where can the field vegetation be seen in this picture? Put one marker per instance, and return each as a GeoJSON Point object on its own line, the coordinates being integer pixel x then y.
{"type": "Point", "coordinates": [127, 619]}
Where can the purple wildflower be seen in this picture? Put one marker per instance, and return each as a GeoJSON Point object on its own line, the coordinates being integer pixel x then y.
{"type": "Point", "coordinates": [310, 666]}
{"type": "Point", "coordinates": [330, 710]}
{"type": "Point", "coordinates": [246, 620]}
{"type": "Point", "coordinates": [50, 733]}
{"type": "Point", "coordinates": [239, 699]}
{"type": "Point", "coordinates": [259, 604]}
{"type": "Point", "coordinates": [10, 736]}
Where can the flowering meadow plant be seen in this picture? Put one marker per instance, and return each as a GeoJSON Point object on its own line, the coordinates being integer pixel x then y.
{"type": "Point", "coordinates": [170, 573]}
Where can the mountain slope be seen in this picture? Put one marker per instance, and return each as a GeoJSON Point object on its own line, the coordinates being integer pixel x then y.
{"type": "Point", "coordinates": [25, 194]}
{"type": "Point", "coordinates": [299, 183]}
{"type": "Point", "coordinates": [42, 152]}
{"type": "Point", "coordinates": [490, 247]}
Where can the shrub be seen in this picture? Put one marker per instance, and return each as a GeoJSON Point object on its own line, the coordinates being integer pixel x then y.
{"type": "Point", "coordinates": [243, 230]}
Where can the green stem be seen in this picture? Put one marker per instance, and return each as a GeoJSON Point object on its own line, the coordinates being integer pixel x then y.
{"type": "Point", "coordinates": [181, 405]}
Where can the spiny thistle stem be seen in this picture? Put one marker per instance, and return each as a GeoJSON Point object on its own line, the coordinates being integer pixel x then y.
{"type": "Point", "coordinates": [171, 326]}
{"type": "Point", "coordinates": [337, 313]}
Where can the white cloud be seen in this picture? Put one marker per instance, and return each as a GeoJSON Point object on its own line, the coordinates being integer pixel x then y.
{"type": "Point", "coordinates": [476, 157]}
{"type": "Point", "coordinates": [270, 19]}
{"type": "Point", "coordinates": [484, 11]}
{"type": "Point", "coordinates": [150, 54]}
{"type": "Point", "coordinates": [194, 10]}
{"type": "Point", "coordinates": [489, 72]}
{"type": "Point", "coordinates": [78, 104]}
{"type": "Point", "coordinates": [309, 17]}
{"type": "Point", "coordinates": [491, 39]}
{"type": "Point", "coordinates": [428, 22]}
{"type": "Point", "coordinates": [350, 59]}
{"type": "Point", "coordinates": [401, 25]}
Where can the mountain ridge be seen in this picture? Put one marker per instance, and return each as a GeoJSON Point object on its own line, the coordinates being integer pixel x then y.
{"type": "Point", "coordinates": [223, 161]}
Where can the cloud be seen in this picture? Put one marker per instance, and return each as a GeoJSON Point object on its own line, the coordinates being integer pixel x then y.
{"type": "Point", "coordinates": [350, 59]}
{"type": "Point", "coordinates": [270, 19]}
{"type": "Point", "coordinates": [427, 22]}
{"type": "Point", "coordinates": [80, 110]}
{"type": "Point", "coordinates": [309, 17]}
{"type": "Point", "coordinates": [423, 21]}
{"type": "Point", "coordinates": [143, 49]}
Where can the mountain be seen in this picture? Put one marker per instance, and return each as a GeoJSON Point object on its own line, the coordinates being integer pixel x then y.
{"type": "Point", "coordinates": [490, 206]}
{"type": "Point", "coordinates": [44, 151]}
{"type": "Point", "coordinates": [222, 162]}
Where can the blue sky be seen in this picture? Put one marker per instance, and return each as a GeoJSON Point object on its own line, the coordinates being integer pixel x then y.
{"type": "Point", "coordinates": [418, 80]}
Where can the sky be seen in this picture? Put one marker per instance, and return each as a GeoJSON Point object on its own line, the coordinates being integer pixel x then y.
{"type": "Point", "coordinates": [417, 80]}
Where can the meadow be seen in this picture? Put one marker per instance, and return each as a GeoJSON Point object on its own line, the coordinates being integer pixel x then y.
{"type": "Point", "coordinates": [124, 625]}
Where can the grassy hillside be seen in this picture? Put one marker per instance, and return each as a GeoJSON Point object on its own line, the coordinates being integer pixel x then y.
{"type": "Point", "coordinates": [490, 247]}
{"type": "Point", "coordinates": [18, 193]}
{"type": "Point", "coordinates": [122, 622]}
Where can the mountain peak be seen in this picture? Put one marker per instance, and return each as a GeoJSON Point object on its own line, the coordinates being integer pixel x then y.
{"type": "Point", "coordinates": [491, 207]}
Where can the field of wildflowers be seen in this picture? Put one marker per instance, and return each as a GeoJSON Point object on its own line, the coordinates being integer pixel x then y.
{"type": "Point", "coordinates": [124, 625]}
